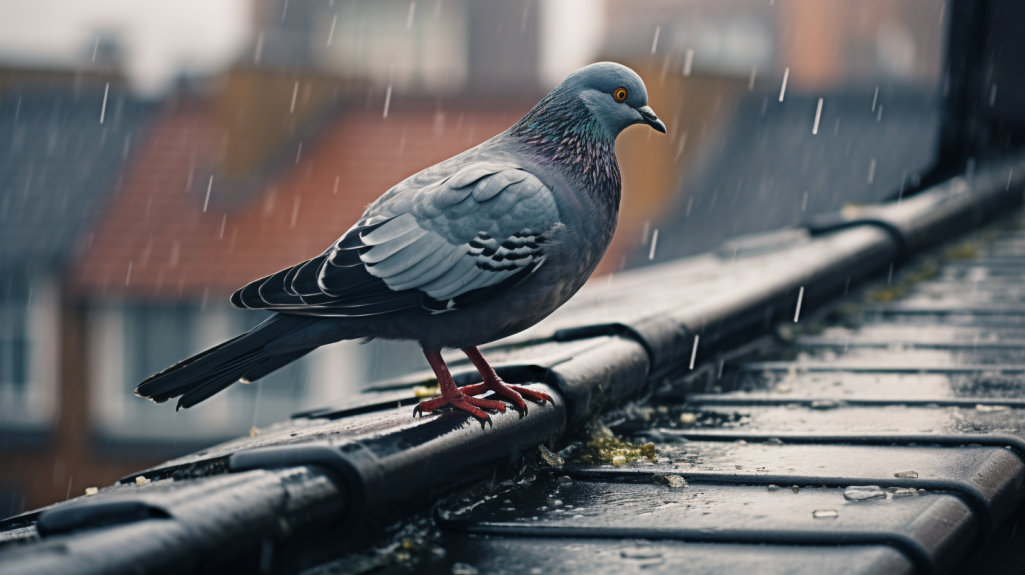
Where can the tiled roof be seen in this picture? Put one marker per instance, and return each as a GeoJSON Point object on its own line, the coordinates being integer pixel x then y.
{"type": "Point", "coordinates": [58, 165]}
{"type": "Point", "coordinates": [766, 164]}
{"type": "Point", "coordinates": [156, 241]}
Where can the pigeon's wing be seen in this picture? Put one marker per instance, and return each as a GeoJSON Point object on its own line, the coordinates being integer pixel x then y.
{"type": "Point", "coordinates": [438, 243]}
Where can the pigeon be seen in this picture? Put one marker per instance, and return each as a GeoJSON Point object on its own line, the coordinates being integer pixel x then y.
{"type": "Point", "coordinates": [466, 252]}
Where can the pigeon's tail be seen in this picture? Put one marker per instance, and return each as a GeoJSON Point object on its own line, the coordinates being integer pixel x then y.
{"type": "Point", "coordinates": [243, 358]}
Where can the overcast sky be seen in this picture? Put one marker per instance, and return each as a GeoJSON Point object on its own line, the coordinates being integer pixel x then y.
{"type": "Point", "coordinates": [160, 38]}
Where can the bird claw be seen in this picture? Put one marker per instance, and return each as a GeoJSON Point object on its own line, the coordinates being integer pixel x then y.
{"type": "Point", "coordinates": [472, 405]}
{"type": "Point", "coordinates": [537, 396]}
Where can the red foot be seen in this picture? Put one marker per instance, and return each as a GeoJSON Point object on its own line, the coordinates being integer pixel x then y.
{"type": "Point", "coordinates": [450, 395]}
{"type": "Point", "coordinates": [514, 393]}
{"type": "Point", "coordinates": [461, 401]}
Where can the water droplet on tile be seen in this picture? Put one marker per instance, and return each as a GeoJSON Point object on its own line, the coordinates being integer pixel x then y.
{"type": "Point", "coordinates": [863, 493]}
{"type": "Point", "coordinates": [672, 481]}
{"type": "Point", "coordinates": [825, 514]}
{"type": "Point", "coordinates": [906, 475]}
{"type": "Point", "coordinates": [904, 492]}
{"type": "Point", "coordinates": [460, 568]}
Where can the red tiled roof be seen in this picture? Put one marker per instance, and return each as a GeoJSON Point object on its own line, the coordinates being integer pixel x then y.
{"type": "Point", "coordinates": [155, 241]}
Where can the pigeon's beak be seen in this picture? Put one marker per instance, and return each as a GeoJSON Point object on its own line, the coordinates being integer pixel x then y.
{"type": "Point", "coordinates": [651, 119]}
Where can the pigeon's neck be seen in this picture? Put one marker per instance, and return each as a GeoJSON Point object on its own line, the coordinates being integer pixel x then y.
{"type": "Point", "coordinates": [564, 132]}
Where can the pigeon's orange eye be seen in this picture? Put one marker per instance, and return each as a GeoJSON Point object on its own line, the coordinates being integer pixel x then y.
{"type": "Point", "coordinates": [619, 94]}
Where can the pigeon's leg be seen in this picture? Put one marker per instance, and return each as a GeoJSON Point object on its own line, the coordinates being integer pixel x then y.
{"type": "Point", "coordinates": [450, 394]}
{"type": "Point", "coordinates": [492, 382]}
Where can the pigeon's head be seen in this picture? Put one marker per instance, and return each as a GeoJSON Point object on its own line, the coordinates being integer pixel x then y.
{"type": "Point", "coordinates": [615, 95]}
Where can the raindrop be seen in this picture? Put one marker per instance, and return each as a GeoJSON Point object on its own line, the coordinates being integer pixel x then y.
{"type": "Point", "coordinates": [387, 101]}
{"type": "Point", "coordinates": [331, 33]}
{"type": "Point", "coordinates": [694, 351]}
{"type": "Point", "coordinates": [258, 52]}
{"type": "Point", "coordinates": [863, 493]}
{"type": "Point", "coordinates": [209, 187]}
{"type": "Point", "coordinates": [783, 88]}
{"type": "Point", "coordinates": [654, 242]}
{"type": "Point", "coordinates": [818, 114]}
{"type": "Point", "coordinates": [295, 92]}
{"type": "Point", "coordinates": [751, 80]}
{"type": "Point", "coordinates": [993, 95]}
{"type": "Point", "coordinates": [654, 43]}
{"type": "Point", "coordinates": [409, 17]}
{"type": "Point", "coordinates": [825, 514]}
{"type": "Point", "coordinates": [872, 171]}
{"type": "Point", "coordinates": [103, 109]}
{"type": "Point", "coordinates": [679, 150]}
{"type": "Point", "coordinates": [800, 297]}
{"type": "Point", "coordinates": [875, 98]}
{"type": "Point", "coordinates": [688, 62]}
{"type": "Point", "coordinates": [295, 210]}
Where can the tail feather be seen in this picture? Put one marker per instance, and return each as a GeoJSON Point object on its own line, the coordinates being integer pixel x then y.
{"type": "Point", "coordinates": [204, 374]}
{"type": "Point", "coordinates": [269, 365]}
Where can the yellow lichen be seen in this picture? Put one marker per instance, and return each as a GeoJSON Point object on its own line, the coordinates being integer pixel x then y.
{"type": "Point", "coordinates": [964, 251]}
{"type": "Point", "coordinates": [610, 450]}
{"type": "Point", "coordinates": [426, 391]}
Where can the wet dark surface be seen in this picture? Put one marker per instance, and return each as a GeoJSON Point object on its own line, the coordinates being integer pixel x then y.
{"type": "Point", "coordinates": [535, 555]}
{"type": "Point", "coordinates": [893, 423]}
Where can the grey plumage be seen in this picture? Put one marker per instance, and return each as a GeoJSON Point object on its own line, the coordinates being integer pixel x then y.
{"type": "Point", "coordinates": [473, 249]}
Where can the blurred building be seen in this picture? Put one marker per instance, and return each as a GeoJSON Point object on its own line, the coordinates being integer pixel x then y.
{"type": "Point", "coordinates": [127, 223]}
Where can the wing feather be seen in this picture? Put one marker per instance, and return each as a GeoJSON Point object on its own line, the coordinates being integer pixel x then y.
{"type": "Point", "coordinates": [441, 240]}
{"type": "Point", "coordinates": [385, 250]}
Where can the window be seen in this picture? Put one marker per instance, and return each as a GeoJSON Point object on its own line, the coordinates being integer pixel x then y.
{"type": "Point", "coordinates": [29, 348]}
{"type": "Point", "coordinates": [14, 341]}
